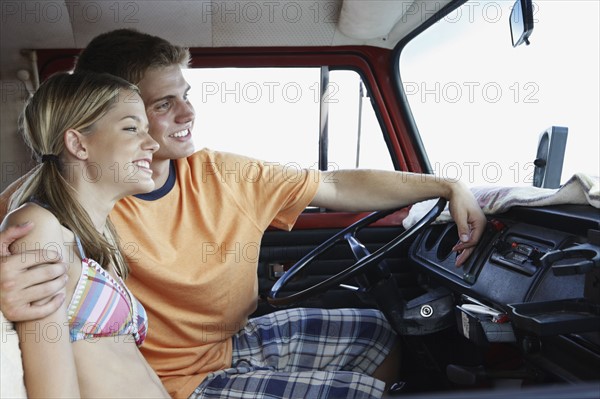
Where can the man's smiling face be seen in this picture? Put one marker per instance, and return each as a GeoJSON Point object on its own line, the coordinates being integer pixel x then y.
{"type": "Point", "coordinates": [170, 114]}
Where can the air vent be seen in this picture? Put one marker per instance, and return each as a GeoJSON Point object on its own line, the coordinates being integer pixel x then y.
{"type": "Point", "coordinates": [449, 239]}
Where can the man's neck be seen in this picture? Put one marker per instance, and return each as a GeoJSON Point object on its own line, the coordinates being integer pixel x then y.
{"type": "Point", "coordinates": [160, 172]}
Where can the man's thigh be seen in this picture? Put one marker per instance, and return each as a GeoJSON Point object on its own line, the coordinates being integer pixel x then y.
{"type": "Point", "coordinates": [241, 383]}
{"type": "Point", "coordinates": [302, 339]}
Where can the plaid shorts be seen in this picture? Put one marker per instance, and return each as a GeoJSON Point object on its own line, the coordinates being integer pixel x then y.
{"type": "Point", "coordinates": [305, 353]}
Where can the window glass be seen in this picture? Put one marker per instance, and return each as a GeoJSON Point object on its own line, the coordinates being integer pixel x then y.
{"type": "Point", "coordinates": [355, 136]}
{"type": "Point", "coordinates": [480, 105]}
{"type": "Point", "coordinates": [274, 114]}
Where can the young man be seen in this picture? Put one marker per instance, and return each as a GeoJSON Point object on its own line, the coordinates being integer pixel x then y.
{"type": "Point", "coordinates": [200, 341]}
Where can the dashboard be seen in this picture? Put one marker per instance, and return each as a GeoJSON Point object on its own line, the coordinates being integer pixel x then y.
{"type": "Point", "coordinates": [534, 281]}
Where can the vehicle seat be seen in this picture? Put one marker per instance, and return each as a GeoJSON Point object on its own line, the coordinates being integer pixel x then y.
{"type": "Point", "coordinates": [11, 365]}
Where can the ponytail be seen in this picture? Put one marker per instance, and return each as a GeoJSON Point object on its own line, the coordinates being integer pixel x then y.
{"type": "Point", "coordinates": [63, 102]}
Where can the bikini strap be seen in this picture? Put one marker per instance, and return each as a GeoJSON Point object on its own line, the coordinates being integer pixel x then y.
{"type": "Point", "coordinates": [80, 247]}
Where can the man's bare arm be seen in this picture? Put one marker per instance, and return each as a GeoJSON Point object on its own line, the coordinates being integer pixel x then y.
{"type": "Point", "coordinates": [29, 282]}
{"type": "Point", "coordinates": [370, 190]}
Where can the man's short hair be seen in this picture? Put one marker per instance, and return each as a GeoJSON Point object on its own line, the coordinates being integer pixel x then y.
{"type": "Point", "coordinates": [128, 54]}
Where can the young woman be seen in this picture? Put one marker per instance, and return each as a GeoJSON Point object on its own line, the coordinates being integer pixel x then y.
{"type": "Point", "coordinates": [90, 135]}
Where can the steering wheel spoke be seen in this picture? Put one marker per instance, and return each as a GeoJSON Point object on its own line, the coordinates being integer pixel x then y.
{"type": "Point", "coordinates": [375, 275]}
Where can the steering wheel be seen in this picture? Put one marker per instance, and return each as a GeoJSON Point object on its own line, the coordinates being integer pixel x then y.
{"type": "Point", "coordinates": [375, 276]}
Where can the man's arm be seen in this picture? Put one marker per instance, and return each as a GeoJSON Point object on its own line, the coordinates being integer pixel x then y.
{"type": "Point", "coordinates": [29, 292]}
{"type": "Point", "coordinates": [370, 190]}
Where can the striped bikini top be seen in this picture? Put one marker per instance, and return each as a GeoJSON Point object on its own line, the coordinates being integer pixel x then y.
{"type": "Point", "coordinates": [103, 306]}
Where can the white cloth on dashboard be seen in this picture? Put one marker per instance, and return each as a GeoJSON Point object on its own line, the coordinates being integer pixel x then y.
{"type": "Point", "coordinates": [579, 189]}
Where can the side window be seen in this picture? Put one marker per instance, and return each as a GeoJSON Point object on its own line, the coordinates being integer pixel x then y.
{"type": "Point", "coordinates": [355, 136]}
{"type": "Point", "coordinates": [481, 114]}
{"type": "Point", "coordinates": [274, 114]}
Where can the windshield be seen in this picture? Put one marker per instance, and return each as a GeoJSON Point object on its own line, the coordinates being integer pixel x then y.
{"type": "Point", "coordinates": [480, 105]}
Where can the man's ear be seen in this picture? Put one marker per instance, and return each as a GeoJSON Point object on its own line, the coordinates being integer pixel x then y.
{"type": "Point", "coordinates": [75, 144]}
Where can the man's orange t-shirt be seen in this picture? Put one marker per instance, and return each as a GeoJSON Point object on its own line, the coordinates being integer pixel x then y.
{"type": "Point", "coordinates": [192, 248]}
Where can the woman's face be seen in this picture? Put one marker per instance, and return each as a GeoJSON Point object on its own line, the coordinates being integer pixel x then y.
{"type": "Point", "coordinates": [120, 150]}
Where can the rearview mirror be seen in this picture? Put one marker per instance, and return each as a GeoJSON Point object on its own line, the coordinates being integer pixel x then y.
{"type": "Point", "coordinates": [521, 22]}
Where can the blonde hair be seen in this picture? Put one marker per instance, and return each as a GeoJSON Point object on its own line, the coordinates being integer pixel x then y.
{"type": "Point", "coordinates": [68, 101]}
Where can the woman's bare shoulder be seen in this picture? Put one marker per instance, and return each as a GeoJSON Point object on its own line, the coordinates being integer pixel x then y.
{"type": "Point", "coordinates": [46, 225]}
